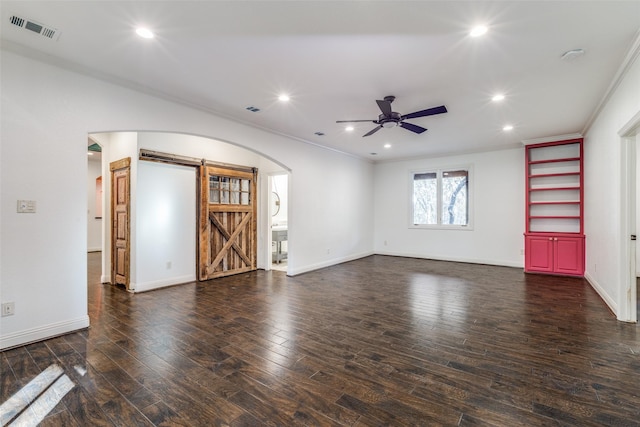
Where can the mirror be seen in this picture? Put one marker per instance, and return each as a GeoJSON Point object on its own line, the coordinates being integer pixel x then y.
{"type": "Point", "coordinates": [275, 204]}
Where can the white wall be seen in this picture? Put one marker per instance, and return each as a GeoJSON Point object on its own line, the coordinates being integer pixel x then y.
{"type": "Point", "coordinates": [602, 180]}
{"type": "Point", "coordinates": [47, 114]}
{"type": "Point", "coordinates": [497, 196]}
{"type": "Point", "coordinates": [94, 220]}
{"type": "Point", "coordinates": [166, 226]}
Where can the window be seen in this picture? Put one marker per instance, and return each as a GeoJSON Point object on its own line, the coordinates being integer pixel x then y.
{"type": "Point", "coordinates": [228, 191]}
{"type": "Point", "coordinates": [440, 198]}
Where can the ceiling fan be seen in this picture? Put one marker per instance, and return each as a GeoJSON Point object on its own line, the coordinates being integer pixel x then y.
{"type": "Point", "coordinates": [390, 118]}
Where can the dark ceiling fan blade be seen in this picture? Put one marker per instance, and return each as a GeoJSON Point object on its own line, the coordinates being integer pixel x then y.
{"type": "Point", "coordinates": [354, 121]}
{"type": "Point", "coordinates": [412, 128]}
{"type": "Point", "coordinates": [428, 112]}
{"type": "Point", "coordinates": [372, 131]}
{"type": "Point", "coordinates": [385, 107]}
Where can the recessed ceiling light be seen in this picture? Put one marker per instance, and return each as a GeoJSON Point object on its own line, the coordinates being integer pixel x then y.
{"type": "Point", "coordinates": [507, 128]}
{"type": "Point", "coordinates": [145, 33]}
{"type": "Point", "coordinates": [478, 31]}
{"type": "Point", "coordinates": [283, 97]}
{"type": "Point", "coordinates": [349, 128]}
{"type": "Point", "coordinates": [498, 97]}
{"type": "Point", "coordinates": [387, 145]}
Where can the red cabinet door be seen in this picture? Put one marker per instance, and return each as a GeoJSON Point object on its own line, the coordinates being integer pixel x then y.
{"type": "Point", "coordinates": [568, 255]}
{"type": "Point", "coordinates": [539, 254]}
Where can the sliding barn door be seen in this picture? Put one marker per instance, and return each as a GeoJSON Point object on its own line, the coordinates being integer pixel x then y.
{"type": "Point", "coordinates": [227, 229]}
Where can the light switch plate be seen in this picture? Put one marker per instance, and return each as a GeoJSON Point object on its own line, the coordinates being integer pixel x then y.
{"type": "Point", "coordinates": [26, 206]}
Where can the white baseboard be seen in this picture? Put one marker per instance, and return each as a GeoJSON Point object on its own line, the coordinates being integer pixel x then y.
{"type": "Point", "coordinates": [43, 332]}
{"type": "Point", "coordinates": [105, 278]}
{"type": "Point", "coordinates": [613, 306]}
{"type": "Point", "coordinates": [328, 263]}
{"type": "Point", "coordinates": [157, 284]}
{"type": "Point", "coordinates": [454, 259]}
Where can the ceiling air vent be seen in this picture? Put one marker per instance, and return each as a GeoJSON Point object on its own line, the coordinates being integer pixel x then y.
{"type": "Point", "coordinates": [36, 27]}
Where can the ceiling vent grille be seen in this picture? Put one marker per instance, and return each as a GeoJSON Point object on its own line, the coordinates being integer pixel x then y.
{"type": "Point", "coordinates": [36, 27]}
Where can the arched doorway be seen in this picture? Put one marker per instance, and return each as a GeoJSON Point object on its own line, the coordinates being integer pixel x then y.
{"type": "Point", "coordinates": [163, 222]}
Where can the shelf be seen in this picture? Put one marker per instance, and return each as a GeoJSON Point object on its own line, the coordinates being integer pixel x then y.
{"type": "Point", "coordinates": [546, 175]}
{"type": "Point", "coordinates": [554, 234]}
{"type": "Point", "coordinates": [568, 202]}
{"type": "Point", "coordinates": [554, 188]}
{"type": "Point", "coordinates": [554, 217]}
{"type": "Point", "coordinates": [564, 159]}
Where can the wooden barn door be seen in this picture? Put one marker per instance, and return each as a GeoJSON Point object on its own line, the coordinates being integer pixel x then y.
{"type": "Point", "coordinates": [120, 234]}
{"type": "Point", "coordinates": [227, 221]}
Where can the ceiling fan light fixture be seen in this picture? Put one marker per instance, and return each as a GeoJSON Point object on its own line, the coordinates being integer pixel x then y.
{"type": "Point", "coordinates": [283, 97]}
{"type": "Point", "coordinates": [507, 128]}
{"type": "Point", "coordinates": [349, 128]}
{"type": "Point", "coordinates": [390, 118]}
{"type": "Point", "coordinates": [497, 97]}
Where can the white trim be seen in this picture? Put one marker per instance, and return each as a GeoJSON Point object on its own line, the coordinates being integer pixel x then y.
{"type": "Point", "coordinates": [454, 259]}
{"type": "Point", "coordinates": [96, 74]}
{"type": "Point", "coordinates": [625, 66]}
{"type": "Point", "coordinates": [632, 127]}
{"type": "Point", "coordinates": [483, 150]}
{"type": "Point", "coordinates": [613, 306]}
{"type": "Point", "coordinates": [627, 287]}
{"type": "Point", "coordinates": [163, 283]}
{"type": "Point", "coordinates": [329, 263]}
{"type": "Point", "coordinates": [43, 332]}
{"type": "Point", "coordinates": [105, 278]}
{"type": "Point", "coordinates": [95, 249]}
{"type": "Point", "coordinates": [551, 138]}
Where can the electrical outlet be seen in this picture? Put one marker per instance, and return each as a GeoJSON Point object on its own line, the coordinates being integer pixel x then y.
{"type": "Point", "coordinates": [8, 309]}
{"type": "Point", "coordinates": [26, 206]}
{"type": "Point", "coordinates": [521, 251]}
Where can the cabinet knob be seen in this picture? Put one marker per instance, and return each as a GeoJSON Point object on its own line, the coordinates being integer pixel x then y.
{"type": "Point", "coordinates": [555, 238]}
{"type": "Point", "coordinates": [550, 238]}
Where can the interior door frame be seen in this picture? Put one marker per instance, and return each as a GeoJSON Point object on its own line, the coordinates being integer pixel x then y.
{"type": "Point", "coordinates": [268, 236]}
{"type": "Point", "coordinates": [627, 304]}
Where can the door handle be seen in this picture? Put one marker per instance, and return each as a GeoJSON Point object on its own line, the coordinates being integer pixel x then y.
{"type": "Point", "coordinates": [633, 237]}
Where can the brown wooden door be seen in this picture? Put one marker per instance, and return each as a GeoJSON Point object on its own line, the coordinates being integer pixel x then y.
{"type": "Point", "coordinates": [120, 229]}
{"type": "Point", "coordinates": [227, 221]}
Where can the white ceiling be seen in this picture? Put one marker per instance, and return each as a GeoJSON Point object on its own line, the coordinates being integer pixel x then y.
{"type": "Point", "coordinates": [335, 58]}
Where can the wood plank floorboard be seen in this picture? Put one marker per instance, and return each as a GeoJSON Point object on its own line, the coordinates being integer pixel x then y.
{"type": "Point", "coordinates": [380, 341]}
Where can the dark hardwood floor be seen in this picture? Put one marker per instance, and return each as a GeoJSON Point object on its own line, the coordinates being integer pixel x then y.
{"type": "Point", "coordinates": [377, 341]}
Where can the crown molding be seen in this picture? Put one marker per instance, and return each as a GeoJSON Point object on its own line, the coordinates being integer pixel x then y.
{"type": "Point", "coordinates": [555, 138]}
{"type": "Point", "coordinates": [623, 70]}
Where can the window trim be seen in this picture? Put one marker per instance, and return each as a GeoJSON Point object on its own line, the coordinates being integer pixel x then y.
{"type": "Point", "coordinates": [438, 171]}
